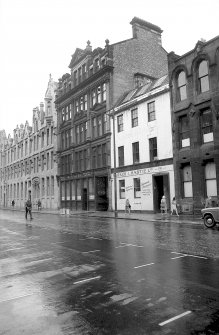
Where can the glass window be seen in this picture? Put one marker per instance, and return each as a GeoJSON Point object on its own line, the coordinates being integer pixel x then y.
{"type": "Point", "coordinates": [77, 134]}
{"type": "Point", "coordinates": [104, 92]}
{"type": "Point", "coordinates": [120, 123]}
{"type": "Point", "coordinates": [153, 148]}
{"type": "Point", "coordinates": [187, 181]}
{"type": "Point", "coordinates": [94, 126]}
{"type": "Point", "coordinates": [137, 188]}
{"type": "Point", "coordinates": [135, 152]}
{"type": "Point", "coordinates": [94, 157]}
{"type": "Point", "coordinates": [52, 185]}
{"type": "Point", "coordinates": [85, 102]}
{"type": "Point", "coordinates": [184, 131]}
{"type": "Point", "coordinates": [99, 126]}
{"type": "Point", "coordinates": [210, 179]}
{"type": "Point", "coordinates": [93, 97]}
{"type": "Point", "coordinates": [47, 186]}
{"type": "Point", "coordinates": [151, 111]}
{"type": "Point", "coordinates": [121, 155]}
{"type": "Point", "coordinates": [134, 116]}
{"type": "Point", "coordinates": [98, 94]}
{"type": "Point", "coordinates": [122, 189]}
{"type": "Point", "coordinates": [207, 126]}
{"type": "Point", "coordinates": [181, 86]}
{"type": "Point", "coordinates": [203, 77]}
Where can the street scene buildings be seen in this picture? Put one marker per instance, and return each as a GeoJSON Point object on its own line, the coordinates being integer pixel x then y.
{"type": "Point", "coordinates": [28, 167]}
{"type": "Point", "coordinates": [194, 87]}
{"type": "Point", "coordinates": [157, 112]}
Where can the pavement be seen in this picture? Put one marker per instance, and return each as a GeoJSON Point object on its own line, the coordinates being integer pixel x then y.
{"type": "Point", "coordinates": [121, 215]}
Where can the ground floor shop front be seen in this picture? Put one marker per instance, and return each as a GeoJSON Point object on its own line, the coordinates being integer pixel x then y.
{"type": "Point", "coordinates": [144, 188]}
{"type": "Point", "coordinates": [85, 191]}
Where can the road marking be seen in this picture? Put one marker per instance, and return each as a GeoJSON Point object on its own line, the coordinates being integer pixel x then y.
{"type": "Point", "coordinates": [174, 318]}
{"type": "Point", "coordinates": [178, 257]}
{"type": "Point", "coordinates": [188, 255]}
{"type": "Point", "coordinates": [19, 297]}
{"type": "Point", "coordinates": [86, 252]}
{"type": "Point", "coordinates": [85, 280]}
{"type": "Point", "coordinates": [130, 245]}
{"type": "Point", "coordinates": [141, 266]}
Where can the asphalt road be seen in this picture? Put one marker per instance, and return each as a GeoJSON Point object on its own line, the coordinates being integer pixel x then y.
{"type": "Point", "coordinates": [88, 275]}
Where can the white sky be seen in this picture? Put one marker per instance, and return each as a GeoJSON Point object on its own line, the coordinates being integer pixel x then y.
{"type": "Point", "coordinates": [38, 37]}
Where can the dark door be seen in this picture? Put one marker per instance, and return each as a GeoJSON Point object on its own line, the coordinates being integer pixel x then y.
{"type": "Point", "coordinates": [101, 193]}
{"type": "Point", "coordinates": [161, 187]}
{"type": "Point", "coordinates": [158, 192]}
{"type": "Point", "coordinates": [84, 199]}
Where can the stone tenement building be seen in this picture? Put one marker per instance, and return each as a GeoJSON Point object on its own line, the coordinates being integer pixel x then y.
{"type": "Point", "coordinates": [28, 160]}
{"type": "Point", "coordinates": [194, 82]}
{"type": "Point", "coordinates": [97, 80]}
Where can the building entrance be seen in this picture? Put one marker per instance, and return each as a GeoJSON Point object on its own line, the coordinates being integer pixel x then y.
{"type": "Point", "coordinates": [84, 199]}
{"type": "Point", "coordinates": [160, 188]}
{"type": "Point", "coordinates": [101, 193]}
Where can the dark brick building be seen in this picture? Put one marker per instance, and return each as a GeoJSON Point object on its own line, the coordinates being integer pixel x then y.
{"type": "Point", "coordinates": [84, 98]}
{"type": "Point", "coordinates": [194, 85]}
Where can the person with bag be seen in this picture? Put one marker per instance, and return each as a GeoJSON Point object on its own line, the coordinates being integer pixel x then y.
{"type": "Point", "coordinates": [28, 209]}
{"type": "Point", "coordinates": [127, 206]}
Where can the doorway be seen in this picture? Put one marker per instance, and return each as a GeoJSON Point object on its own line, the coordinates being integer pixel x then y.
{"type": "Point", "coordinates": [160, 188]}
{"type": "Point", "coordinates": [101, 193]}
{"type": "Point", "coordinates": [84, 199]}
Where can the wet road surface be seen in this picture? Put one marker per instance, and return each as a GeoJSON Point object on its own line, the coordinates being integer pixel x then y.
{"type": "Point", "coordinates": [88, 275]}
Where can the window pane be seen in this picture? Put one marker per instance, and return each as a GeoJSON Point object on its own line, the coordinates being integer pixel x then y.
{"type": "Point", "coordinates": [211, 186]}
{"type": "Point", "coordinates": [181, 79]}
{"type": "Point", "coordinates": [187, 173]}
{"type": "Point", "coordinates": [204, 84]}
{"type": "Point", "coordinates": [203, 68]}
{"type": "Point", "coordinates": [188, 189]}
{"type": "Point", "coordinates": [210, 171]}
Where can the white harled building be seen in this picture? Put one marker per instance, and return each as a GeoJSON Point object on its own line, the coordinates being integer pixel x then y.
{"type": "Point", "coordinates": [143, 144]}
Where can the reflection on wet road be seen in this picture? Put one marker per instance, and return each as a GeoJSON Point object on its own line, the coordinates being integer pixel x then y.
{"type": "Point", "coordinates": [86, 275]}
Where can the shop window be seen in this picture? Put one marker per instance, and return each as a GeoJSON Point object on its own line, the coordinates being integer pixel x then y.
{"type": "Point", "coordinates": [134, 116]}
{"type": "Point", "coordinates": [203, 77]}
{"type": "Point", "coordinates": [151, 111]}
{"type": "Point", "coordinates": [187, 181]}
{"type": "Point", "coordinates": [135, 152]}
{"type": "Point", "coordinates": [153, 148]}
{"type": "Point", "coordinates": [210, 179]}
{"type": "Point", "coordinates": [184, 131]}
{"type": "Point", "coordinates": [63, 191]}
{"type": "Point", "coordinates": [121, 155]}
{"type": "Point", "coordinates": [181, 86]}
{"type": "Point", "coordinates": [122, 189]}
{"type": "Point", "coordinates": [137, 188]}
{"type": "Point", "coordinates": [207, 126]}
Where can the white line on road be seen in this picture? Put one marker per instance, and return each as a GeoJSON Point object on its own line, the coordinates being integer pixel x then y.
{"type": "Point", "coordinates": [174, 318]}
{"type": "Point", "coordinates": [19, 297]}
{"type": "Point", "coordinates": [86, 252]}
{"type": "Point", "coordinates": [141, 266]}
{"type": "Point", "coordinates": [178, 257]}
{"type": "Point", "coordinates": [130, 245]}
{"type": "Point", "coordinates": [85, 280]}
{"type": "Point", "coordinates": [180, 253]}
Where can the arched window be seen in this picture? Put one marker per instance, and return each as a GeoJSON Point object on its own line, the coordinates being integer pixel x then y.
{"type": "Point", "coordinates": [203, 77]}
{"type": "Point", "coordinates": [181, 86]}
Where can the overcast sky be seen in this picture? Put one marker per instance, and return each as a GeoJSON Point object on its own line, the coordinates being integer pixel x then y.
{"type": "Point", "coordinates": [38, 37]}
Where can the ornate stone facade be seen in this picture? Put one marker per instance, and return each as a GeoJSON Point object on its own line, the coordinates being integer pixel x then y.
{"type": "Point", "coordinates": [28, 165]}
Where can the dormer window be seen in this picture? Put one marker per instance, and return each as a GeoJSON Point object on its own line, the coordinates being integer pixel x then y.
{"type": "Point", "coordinates": [91, 69]}
{"type": "Point", "coordinates": [203, 77]}
{"type": "Point", "coordinates": [181, 86]}
{"type": "Point", "coordinates": [75, 78]}
{"type": "Point", "coordinates": [84, 71]}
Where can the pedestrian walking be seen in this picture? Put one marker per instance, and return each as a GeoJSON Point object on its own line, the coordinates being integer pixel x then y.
{"type": "Point", "coordinates": [13, 203]}
{"type": "Point", "coordinates": [28, 209]}
{"type": "Point", "coordinates": [127, 206]}
{"type": "Point", "coordinates": [174, 207]}
{"type": "Point", "coordinates": [163, 205]}
{"type": "Point", "coordinates": [39, 205]}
